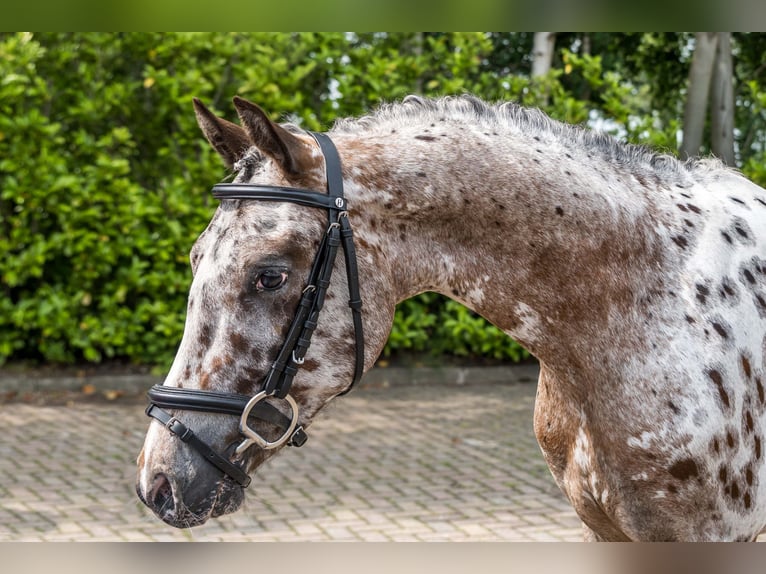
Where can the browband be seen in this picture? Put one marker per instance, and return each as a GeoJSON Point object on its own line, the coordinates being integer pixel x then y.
{"type": "Point", "coordinates": [277, 193]}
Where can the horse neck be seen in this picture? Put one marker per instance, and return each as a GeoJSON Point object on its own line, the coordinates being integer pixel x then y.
{"type": "Point", "coordinates": [543, 241]}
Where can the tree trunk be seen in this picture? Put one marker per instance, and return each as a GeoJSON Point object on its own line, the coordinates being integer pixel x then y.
{"type": "Point", "coordinates": [542, 53]}
{"type": "Point", "coordinates": [722, 101]}
{"type": "Point", "coordinates": [700, 73]}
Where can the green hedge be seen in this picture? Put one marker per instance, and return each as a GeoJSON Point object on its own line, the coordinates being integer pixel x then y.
{"type": "Point", "coordinates": [104, 175]}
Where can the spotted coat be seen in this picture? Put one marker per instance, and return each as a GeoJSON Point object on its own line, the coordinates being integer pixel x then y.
{"type": "Point", "coordinates": [639, 282]}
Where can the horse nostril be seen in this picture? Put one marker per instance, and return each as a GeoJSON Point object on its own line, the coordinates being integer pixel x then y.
{"type": "Point", "coordinates": [161, 495]}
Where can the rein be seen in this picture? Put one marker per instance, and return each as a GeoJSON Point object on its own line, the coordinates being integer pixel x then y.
{"type": "Point", "coordinates": [291, 356]}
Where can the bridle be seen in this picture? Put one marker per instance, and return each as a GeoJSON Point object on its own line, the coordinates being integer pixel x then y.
{"type": "Point", "coordinates": [278, 381]}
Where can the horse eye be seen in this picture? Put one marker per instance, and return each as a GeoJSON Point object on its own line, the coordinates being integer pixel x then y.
{"type": "Point", "coordinates": [270, 280]}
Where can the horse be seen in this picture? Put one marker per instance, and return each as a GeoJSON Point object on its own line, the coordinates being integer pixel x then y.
{"type": "Point", "coordinates": [638, 281]}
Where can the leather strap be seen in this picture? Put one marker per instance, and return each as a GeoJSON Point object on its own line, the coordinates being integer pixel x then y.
{"type": "Point", "coordinates": [223, 403]}
{"type": "Point", "coordinates": [186, 435]}
{"type": "Point", "coordinates": [274, 193]}
{"type": "Point", "coordinates": [334, 175]}
{"type": "Point", "coordinates": [355, 298]}
{"type": "Point", "coordinates": [214, 402]}
{"type": "Point", "coordinates": [284, 368]}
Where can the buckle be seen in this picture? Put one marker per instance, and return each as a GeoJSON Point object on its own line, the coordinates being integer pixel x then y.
{"type": "Point", "coordinates": [179, 429]}
{"type": "Point", "coordinates": [299, 438]}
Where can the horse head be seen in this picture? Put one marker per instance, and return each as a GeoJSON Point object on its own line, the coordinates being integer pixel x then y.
{"type": "Point", "coordinates": [257, 269]}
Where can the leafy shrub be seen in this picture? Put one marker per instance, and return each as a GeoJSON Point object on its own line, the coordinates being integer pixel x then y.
{"type": "Point", "coordinates": [104, 175]}
{"type": "Point", "coordinates": [435, 325]}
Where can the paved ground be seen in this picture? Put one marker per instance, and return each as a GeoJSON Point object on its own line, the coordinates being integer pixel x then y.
{"type": "Point", "coordinates": [404, 462]}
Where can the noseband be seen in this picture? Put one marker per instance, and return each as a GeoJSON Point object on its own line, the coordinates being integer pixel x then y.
{"type": "Point", "coordinates": [279, 379]}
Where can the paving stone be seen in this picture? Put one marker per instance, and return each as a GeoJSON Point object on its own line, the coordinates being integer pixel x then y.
{"type": "Point", "coordinates": [406, 462]}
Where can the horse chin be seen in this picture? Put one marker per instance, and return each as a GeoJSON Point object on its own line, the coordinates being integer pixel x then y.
{"type": "Point", "coordinates": [224, 497]}
{"type": "Point", "coordinates": [230, 500]}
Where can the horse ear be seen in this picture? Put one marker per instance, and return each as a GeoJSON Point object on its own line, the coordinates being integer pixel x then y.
{"type": "Point", "coordinates": [228, 139]}
{"type": "Point", "coordinates": [286, 149]}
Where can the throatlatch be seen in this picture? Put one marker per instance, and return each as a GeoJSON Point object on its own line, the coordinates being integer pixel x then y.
{"type": "Point", "coordinates": [279, 379]}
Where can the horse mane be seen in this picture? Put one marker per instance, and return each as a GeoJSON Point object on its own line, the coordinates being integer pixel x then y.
{"type": "Point", "coordinates": [533, 123]}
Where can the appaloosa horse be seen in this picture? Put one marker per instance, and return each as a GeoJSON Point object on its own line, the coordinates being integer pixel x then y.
{"type": "Point", "coordinates": [638, 281]}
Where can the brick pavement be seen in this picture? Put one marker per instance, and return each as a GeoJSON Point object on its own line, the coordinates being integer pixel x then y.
{"type": "Point", "coordinates": [408, 462]}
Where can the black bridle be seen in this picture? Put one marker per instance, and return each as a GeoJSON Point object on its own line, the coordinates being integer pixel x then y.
{"type": "Point", "coordinates": [279, 379]}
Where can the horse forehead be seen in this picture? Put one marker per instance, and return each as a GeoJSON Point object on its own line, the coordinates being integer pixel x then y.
{"type": "Point", "coordinates": [261, 225]}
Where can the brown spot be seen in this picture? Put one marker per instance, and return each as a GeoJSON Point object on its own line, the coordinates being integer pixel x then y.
{"type": "Point", "coordinates": [716, 446]}
{"type": "Point", "coordinates": [693, 208]}
{"type": "Point", "coordinates": [684, 469]}
{"type": "Point", "coordinates": [688, 223]}
{"type": "Point", "coordinates": [723, 474]}
{"type": "Point", "coordinates": [720, 330]}
{"type": "Point", "coordinates": [682, 207]}
{"type": "Point", "coordinates": [238, 342]}
{"type": "Point", "coordinates": [205, 335]}
{"type": "Point", "coordinates": [734, 490]}
{"type": "Point", "coordinates": [737, 200]}
{"type": "Point", "coordinates": [757, 448]}
{"type": "Point", "coordinates": [680, 241]}
{"type": "Point", "coordinates": [216, 365]}
{"type": "Point", "coordinates": [672, 488]}
{"type": "Point", "coordinates": [204, 381]}
{"type": "Point", "coordinates": [749, 422]}
{"type": "Point", "coordinates": [729, 439]}
{"type": "Point", "coordinates": [310, 365]}
{"type": "Point", "coordinates": [690, 320]}
{"type": "Point", "coordinates": [747, 500]}
{"type": "Point", "coordinates": [716, 377]}
{"type": "Point", "coordinates": [727, 237]}
{"type": "Point", "coordinates": [246, 382]}
{"type": "Point", "coordinates": [749, 476]}
{"type": "Point", "coordinates": [759, 386]}
{"type": "Point", "coordinates": [425, 138]}
{"type": "Point", "coordinates": [748, 276]}
{"type": "Point", "coordinates": [559, 211]}
{"type": "Point", "coordinates": [702, 293]}
{"type": "Point", "coordinates": [741, 231]}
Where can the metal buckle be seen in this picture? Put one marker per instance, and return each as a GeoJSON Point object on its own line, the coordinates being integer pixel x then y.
{"type": "Point", "coordinates": [298, 361]}
{"type": "Point", "coordinates": [299, 438]}
{"type": "Point", "coordinates": [253, 437]}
